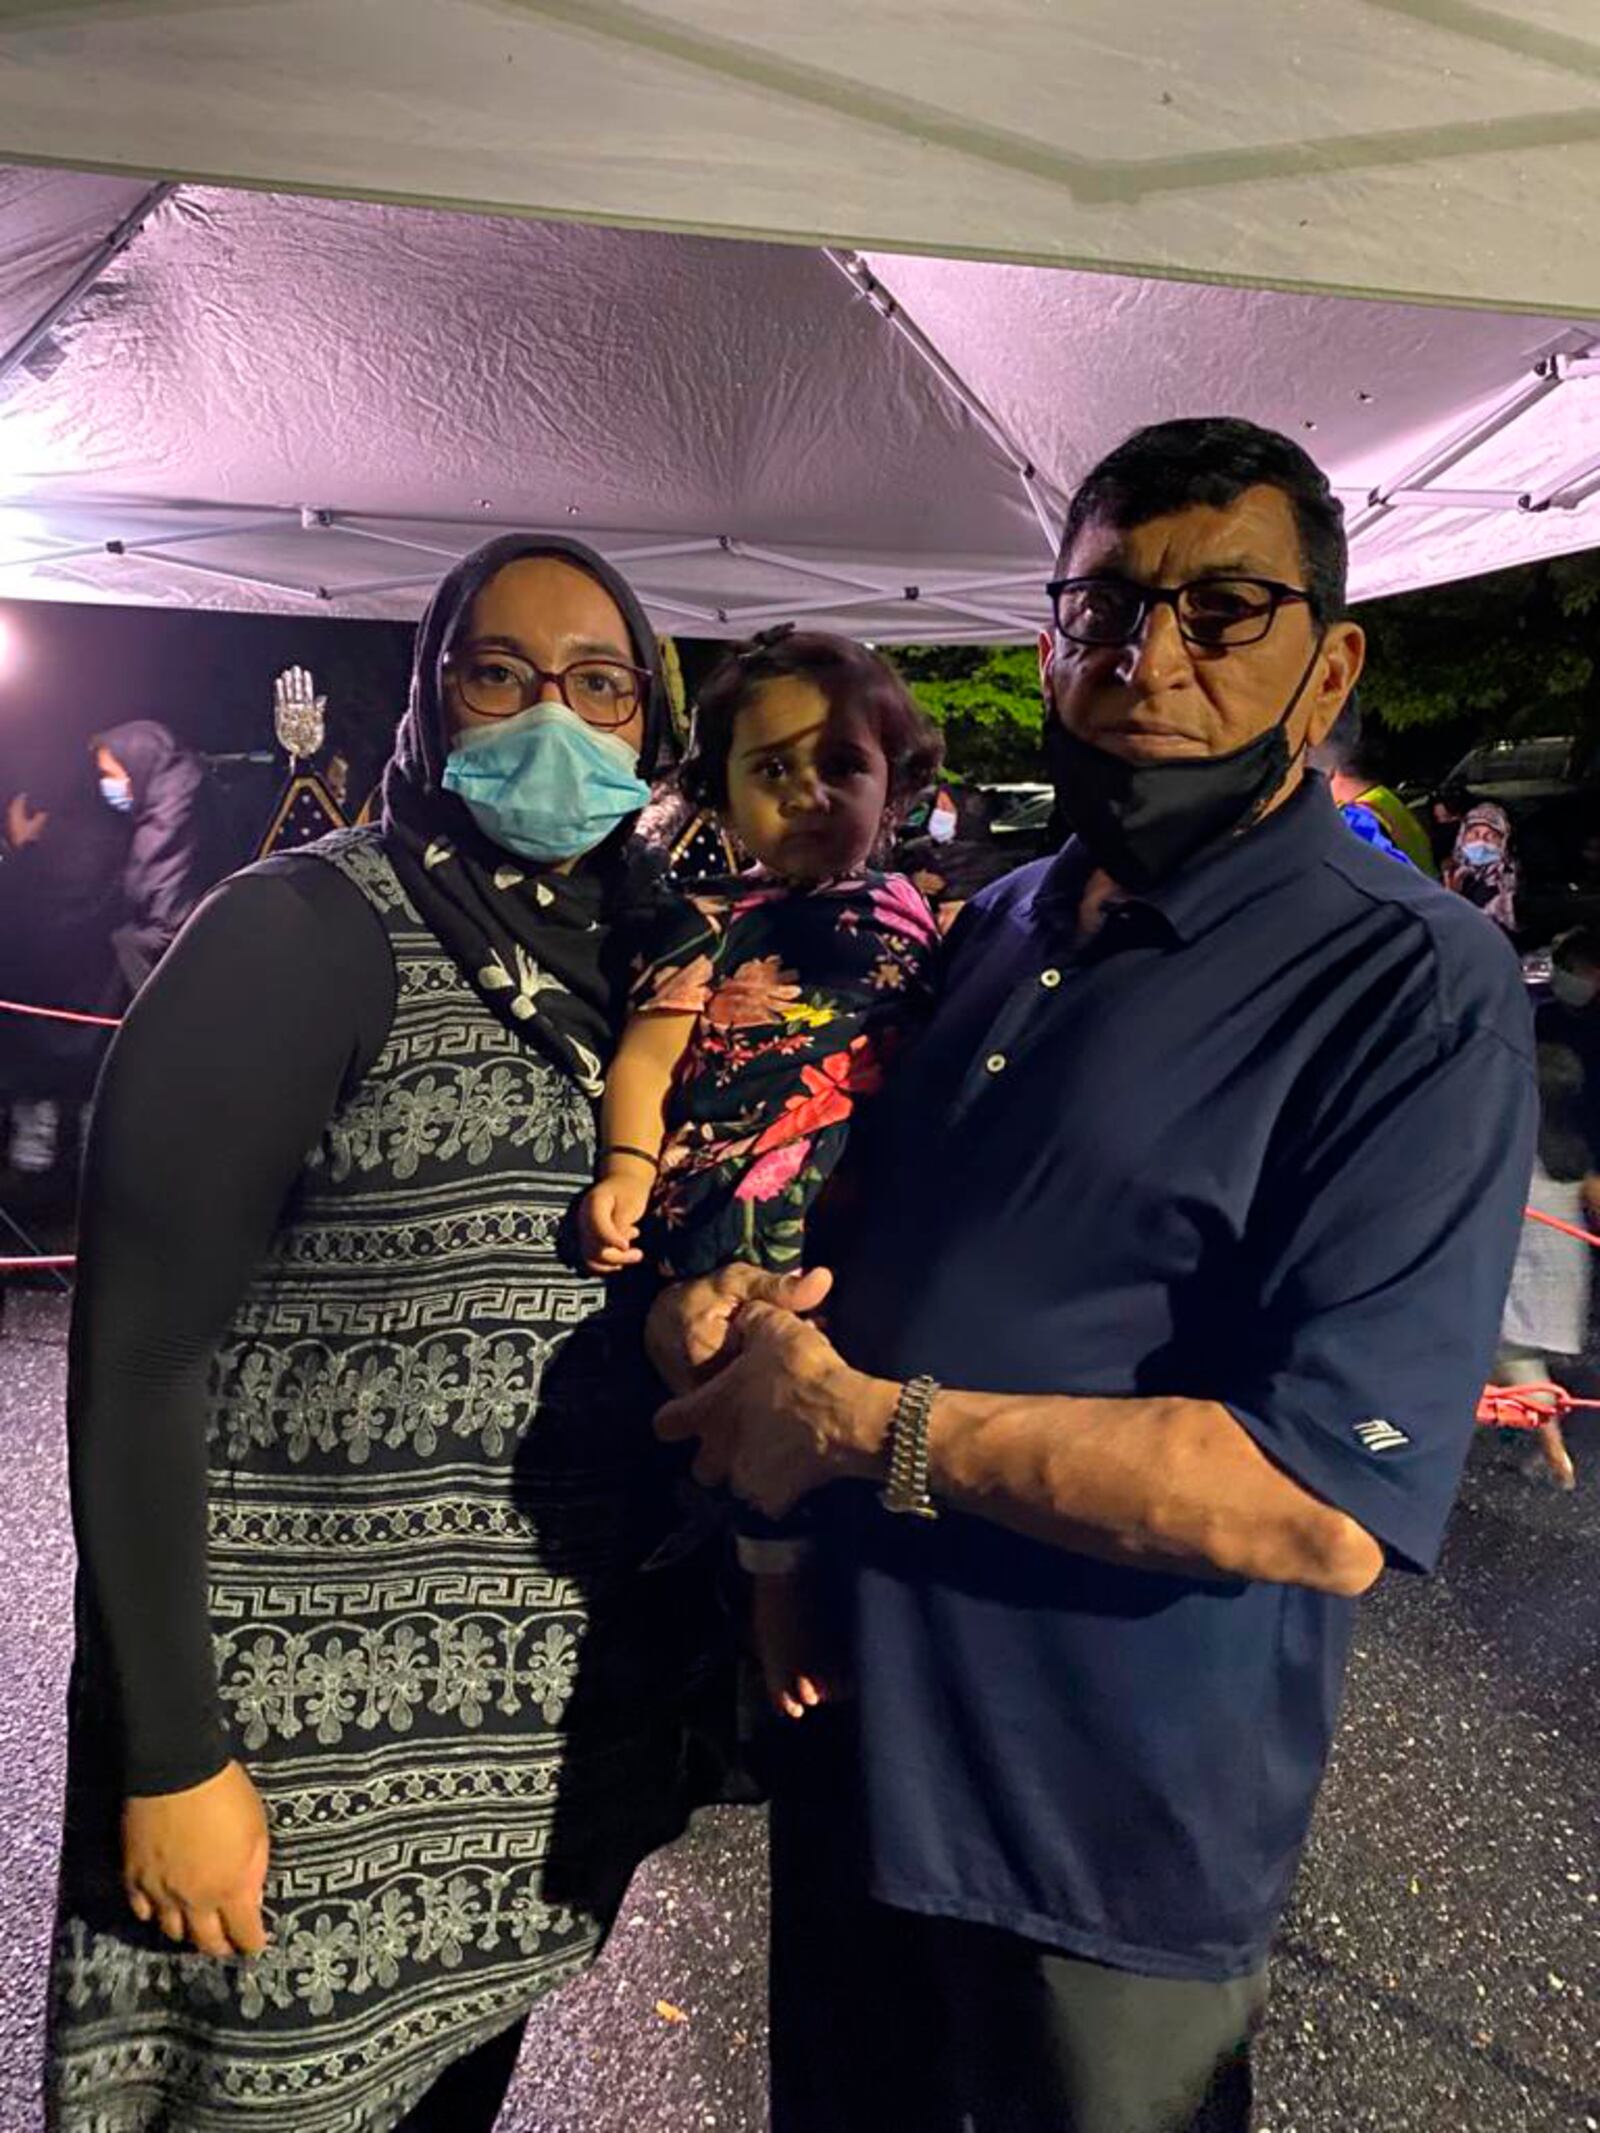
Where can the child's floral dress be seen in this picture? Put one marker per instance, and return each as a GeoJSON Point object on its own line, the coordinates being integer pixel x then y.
{"type": "Point", "coordinates": [800, 997]}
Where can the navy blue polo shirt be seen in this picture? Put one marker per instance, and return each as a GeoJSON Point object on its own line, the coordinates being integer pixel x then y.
{"type": "Point", "coordinates": [1265, 1139]}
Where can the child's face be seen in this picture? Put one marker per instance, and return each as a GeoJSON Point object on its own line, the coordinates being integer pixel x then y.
{"type": "Point", "coordinates": [807, 784]}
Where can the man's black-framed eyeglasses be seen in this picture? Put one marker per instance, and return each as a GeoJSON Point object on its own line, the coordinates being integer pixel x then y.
{"type": "Point", "coordinates": [498, 684]}
{"type": "Point", "coordinates": [1213, 614]}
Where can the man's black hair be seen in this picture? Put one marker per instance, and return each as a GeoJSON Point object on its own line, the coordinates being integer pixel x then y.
{"type": "Point", "coordinates": [1213, 459]}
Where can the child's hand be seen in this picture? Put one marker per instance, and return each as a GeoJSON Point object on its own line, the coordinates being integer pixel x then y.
{"type": "Point", "coordinates": [608, 1222]}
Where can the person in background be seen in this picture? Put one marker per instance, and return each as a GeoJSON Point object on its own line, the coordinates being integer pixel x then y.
{"type": "Point", "coordinates": [176, 852]}
{"type": "Point", "coordinates": [685, 841]}
{"type": "Point", "coordinates": [1374, 811]}
{"type": "Point", "coordinates": [62, 857]}
{"type": "Point", "coordinates": [1481, 866]}
{"type": "Point", "coordinates": [1548, 1311]}
{"type": "Point", "coordinates": [944, 817]}
{"type": "Point", "coordinates": [954, 853]}
{"type": "Point", "coordinates": [1571, 1016]}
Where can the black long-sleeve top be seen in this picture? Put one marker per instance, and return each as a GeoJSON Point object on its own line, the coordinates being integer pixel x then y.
{"type": "Point", "coordinates": [274, 1001]}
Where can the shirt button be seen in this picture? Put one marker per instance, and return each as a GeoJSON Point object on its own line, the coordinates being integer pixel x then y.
{"type": "Point", "coordinates": [995, 1063]}
{"type": "Point", "coordinates": [1050, 979]}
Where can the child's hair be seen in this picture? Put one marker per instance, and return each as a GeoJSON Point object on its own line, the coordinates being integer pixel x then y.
{"type": "Point", "coordinates": [845, 672]}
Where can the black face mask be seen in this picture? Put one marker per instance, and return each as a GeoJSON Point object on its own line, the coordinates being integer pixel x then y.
{"type": "Point", "coordinates": [1144, 822]}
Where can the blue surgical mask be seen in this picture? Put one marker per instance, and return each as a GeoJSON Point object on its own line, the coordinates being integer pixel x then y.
{"type": "Point", "coordinates": [544, 784]}
{"type": "Point", "coordinates": [117, 793]}
{"type": "Point", "coordinates": [1481, 855]}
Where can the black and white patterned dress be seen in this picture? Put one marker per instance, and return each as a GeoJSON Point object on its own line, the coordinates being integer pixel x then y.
{"type": "Point", "coordinates": [432, 1491]}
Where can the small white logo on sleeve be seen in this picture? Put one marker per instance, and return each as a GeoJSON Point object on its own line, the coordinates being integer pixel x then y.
{"type": "Point", "coordinates": [1380, 1436]}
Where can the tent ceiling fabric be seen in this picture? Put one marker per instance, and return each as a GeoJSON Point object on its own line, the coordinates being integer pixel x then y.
{"type": "Point", "coordinates": [1423, 149]}
{"type": "Point", "coordinates": [302, 404]}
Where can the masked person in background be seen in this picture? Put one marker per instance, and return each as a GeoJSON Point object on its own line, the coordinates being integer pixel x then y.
{"type": "Point", "coordinates": [176, 850]}
{"type": "Point", "coordinates": [376, 1704]}
{"type": "Point", "coordinates": [1481, 867]}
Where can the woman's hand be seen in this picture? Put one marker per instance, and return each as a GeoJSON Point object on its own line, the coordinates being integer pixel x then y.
{"type": "Point", "coordinates": [195, 1862]}
{"type": "Point", "coordinates": [688, 1325]}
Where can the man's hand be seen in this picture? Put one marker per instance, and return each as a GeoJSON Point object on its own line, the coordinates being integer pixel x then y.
{"type": "Point", "coordinates": [783, 1415]}
{"type": "Point", "coordinates": [688, 1325]}
{"type": "Point", "coordinates": [196, 1863]}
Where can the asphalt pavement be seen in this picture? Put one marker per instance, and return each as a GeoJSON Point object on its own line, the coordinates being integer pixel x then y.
{"type": "Point", "coordinates": [1439, 1970]}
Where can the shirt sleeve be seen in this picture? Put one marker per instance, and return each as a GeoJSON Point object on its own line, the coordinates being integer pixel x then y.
{"type": "Point", "coordinates": [1360, 1370]}
{"type": "Point", "coordinates": [275, 997]}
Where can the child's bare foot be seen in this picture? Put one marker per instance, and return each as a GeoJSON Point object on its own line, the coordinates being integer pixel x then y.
{"type": "Point", "coordinates": [1556, 1456]}
{"type": "Point", "coordinates": [788, 1641]}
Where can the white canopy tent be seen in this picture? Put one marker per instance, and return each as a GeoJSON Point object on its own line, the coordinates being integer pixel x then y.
{"type": "Point", "coordinates": [268, 399]}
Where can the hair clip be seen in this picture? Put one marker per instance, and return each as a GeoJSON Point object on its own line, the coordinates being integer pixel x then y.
{"type": "Point", "coordinates": [763, 642]}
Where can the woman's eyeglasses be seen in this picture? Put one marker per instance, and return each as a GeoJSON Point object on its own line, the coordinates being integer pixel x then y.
{"type": "Point", "coordinates": [496, 684]}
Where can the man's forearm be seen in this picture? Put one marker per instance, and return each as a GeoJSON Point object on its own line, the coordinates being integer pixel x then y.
{"type": "Point", "coordinates": [1162, 1484]}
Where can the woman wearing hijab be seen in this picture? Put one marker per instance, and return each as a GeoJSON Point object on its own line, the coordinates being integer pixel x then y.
{"type": "Point", "coordinates": [175, 854]}
{"type": "Point", "coordinates": [378, 1695]}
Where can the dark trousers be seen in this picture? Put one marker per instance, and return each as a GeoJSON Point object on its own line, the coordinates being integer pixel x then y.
{"type": "Point", "coordinates": [467, 2096]}
{"type": "Point", "coordinates": [883, 2018]}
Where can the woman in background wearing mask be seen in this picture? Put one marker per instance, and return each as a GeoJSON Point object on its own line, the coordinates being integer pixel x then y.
{"type": "Point", "coordinates": [176, 850]}
{"type": "Point", "coordinates": [378, 1699]}
{"type": "Point", "coordinates": [1481, 867]}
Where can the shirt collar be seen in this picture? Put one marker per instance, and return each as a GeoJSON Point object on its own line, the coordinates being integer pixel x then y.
{"type": "Point", "coordinates": [1295, 837]}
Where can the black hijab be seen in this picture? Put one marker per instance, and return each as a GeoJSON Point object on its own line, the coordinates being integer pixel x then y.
{"type": "Point", "coordinates": [546, 951]}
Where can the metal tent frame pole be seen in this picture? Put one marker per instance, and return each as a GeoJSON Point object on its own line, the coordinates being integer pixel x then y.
{"type": "Point", "coordinates": [1046, 509]}
{"type": "Point", "coordinates": [84, 280]}
{"type": "Point", "coordinates": [1414, 484]}
{"type": "Point", "coordinates": [152, 543]}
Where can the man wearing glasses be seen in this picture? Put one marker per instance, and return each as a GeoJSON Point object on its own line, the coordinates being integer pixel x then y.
{"type": "Point", "coordinates": [1147, 1378]}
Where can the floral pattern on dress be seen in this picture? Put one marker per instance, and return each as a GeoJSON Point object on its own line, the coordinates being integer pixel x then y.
{"type": "Point", "coordinates": [800, 998]}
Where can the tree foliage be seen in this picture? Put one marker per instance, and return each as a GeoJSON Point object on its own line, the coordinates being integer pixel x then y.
{"type": "Point", "coordinates": [1517, 652]}
{"type": "Point", "coordinates": [985, 700]}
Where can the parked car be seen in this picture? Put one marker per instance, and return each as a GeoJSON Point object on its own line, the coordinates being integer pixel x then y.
{"type": "Point", "coordinates": [1549, 785]}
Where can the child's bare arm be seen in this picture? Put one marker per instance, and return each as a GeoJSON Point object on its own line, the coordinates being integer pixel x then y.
{"type": "Point", "coordinates": [633, 1113]}
{"type": "Point", "coordinates": [632, 1127]}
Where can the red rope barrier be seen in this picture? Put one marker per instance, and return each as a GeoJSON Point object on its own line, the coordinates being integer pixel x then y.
{"type": "Point", "coordinates": [59, 1014]}
{"type": "Point", "coordinates": [1567, 1229]}
{"type": "Point", "coordinates": [1527, 1406]}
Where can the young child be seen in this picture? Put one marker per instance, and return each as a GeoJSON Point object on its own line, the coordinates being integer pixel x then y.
{"type": "Point", "coordinates": [769, 1006]}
